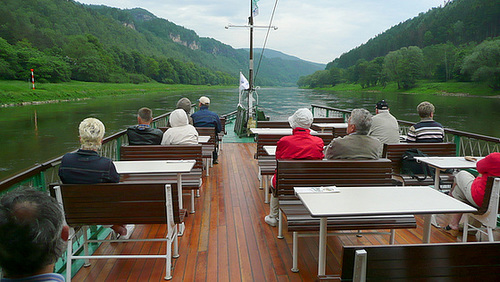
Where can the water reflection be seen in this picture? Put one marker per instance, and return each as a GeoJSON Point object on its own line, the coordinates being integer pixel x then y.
{"type": "Point", "coordinates": [23, 145]}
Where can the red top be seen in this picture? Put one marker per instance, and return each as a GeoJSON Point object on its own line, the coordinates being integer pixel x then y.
{"type": "Point", "coordinates": [300, 145]}
{"type": "Point", "coordinates": [489, 166]}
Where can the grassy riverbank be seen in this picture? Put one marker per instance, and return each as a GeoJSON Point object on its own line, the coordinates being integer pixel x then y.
{"type": "Point", "coordinates": [425, 87]}
{"type": "Point", "coordinates": [19, 92]}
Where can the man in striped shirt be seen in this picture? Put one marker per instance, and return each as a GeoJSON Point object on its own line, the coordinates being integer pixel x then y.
{"type": "Point", "coordinates": [427, 130]}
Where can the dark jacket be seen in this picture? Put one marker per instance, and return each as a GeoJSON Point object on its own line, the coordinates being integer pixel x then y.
{"type": "Point", "coordinates": [206, 118]}
{"type": "Point", "coordinates": [87, 167]}
{"type": "Point", "coordinates": [144, 135]}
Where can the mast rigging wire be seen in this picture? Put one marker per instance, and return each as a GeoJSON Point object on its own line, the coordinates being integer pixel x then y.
{"type": "Point", "coordinates": [265, 40]}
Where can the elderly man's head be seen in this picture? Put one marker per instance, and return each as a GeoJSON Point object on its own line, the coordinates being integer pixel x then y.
{"type": "Point", "coordinates": [360, 121]}
{"type": "Point", "coordinates": [144, 116]}
{"type": "Point", "coordinates": [91, 133]}
{"type": "Point", "coordinates": [425, 110]}
{"type": "Point", "coordinates": [32, 233]}
{"type": "Point", "coordinates": [301, 118]}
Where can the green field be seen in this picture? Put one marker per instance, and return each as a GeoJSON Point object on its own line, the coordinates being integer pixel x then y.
{"type": "Point", "coordinates": [18, 92]}
{"type": "Point", "coordinates": [426, 87]}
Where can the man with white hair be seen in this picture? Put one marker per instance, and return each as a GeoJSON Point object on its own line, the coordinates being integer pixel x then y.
{"type": "Point", "coordinates": [300, 145]}
{"type": "Point", "coordinates": [357, 144]}
{"type": "Point", "coordinates": [427, 130]}
{"type": "Point", "coordinates": [85, 166]}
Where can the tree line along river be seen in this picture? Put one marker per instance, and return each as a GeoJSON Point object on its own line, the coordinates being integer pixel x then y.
{"type": "Point", "coordinates": [36, 133]}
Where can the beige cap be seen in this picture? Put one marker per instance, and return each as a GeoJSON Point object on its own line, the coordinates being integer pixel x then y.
{"type": "Point", "coordinates": [204, 100]}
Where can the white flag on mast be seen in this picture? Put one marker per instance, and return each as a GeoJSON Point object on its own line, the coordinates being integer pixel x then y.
{"type": "Point", "coordinates": [244, 85]}
{"type": "Point", "coordinates": [255, 9]}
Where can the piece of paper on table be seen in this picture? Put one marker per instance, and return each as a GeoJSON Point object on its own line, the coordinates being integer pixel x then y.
{"type": "Point", "coordinates": [321, 189]}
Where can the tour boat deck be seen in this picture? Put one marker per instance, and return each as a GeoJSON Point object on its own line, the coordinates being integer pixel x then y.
{"type": "Point", "coordinates": [228, 240]}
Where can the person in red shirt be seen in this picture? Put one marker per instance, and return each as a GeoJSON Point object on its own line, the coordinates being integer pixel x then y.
{"type": "Point", "coordinates": [470, 190]}
{"type": "Point", "coordinates": [300, 145]}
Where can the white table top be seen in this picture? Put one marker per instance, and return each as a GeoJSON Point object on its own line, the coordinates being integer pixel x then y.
{"type": "Point", "coordinates": [331, 125]}
{"type": "Point", "coordinates": [363, 201]}
{"type": "Point", "coordinates": [168, 166]}
{"type": "Point", "coordinates": [277, 131]}
{"type": "Point", "coordinates": [448, 162]}
{"type": "Point", "coordinates": [270, 150]}
{"type": "Point", "coordinates": [203, 138]}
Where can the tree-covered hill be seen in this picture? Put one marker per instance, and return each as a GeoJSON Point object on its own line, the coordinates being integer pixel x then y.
{"type": "Point", "coordinates": [457, 22]}
{"type": "Point", "coordinates": [65, 40]}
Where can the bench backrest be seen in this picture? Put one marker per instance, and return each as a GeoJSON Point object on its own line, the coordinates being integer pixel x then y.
{"type": "Point", "coordinates": [207, 131]}
{"type": "Point", "coordinates": [117, 203]}
{"type": "Point", "coordinates": [394, 152]}
{"type": "Point", "coordinates": [163, 152]}
{"type": "Point", "coordinates": [223, 124]}
{"type": "Point", "coordinates": [273, 124]}
{"type": "Point", "coordinates": [426, 262]}
{"type": "Point", "coordinates": [328, 120]}
{"type": "Point", "coordinates": [272, 140]}
{"type": "Point", "coordinates": [342, 173]}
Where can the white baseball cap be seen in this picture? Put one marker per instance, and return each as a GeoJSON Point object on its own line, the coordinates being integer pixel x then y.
{"type": "Point", "coordinates": [204, 100]}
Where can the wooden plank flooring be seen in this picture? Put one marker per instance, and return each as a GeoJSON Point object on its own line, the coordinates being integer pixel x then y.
{"type": "Point", "coordinates": [228, 240]}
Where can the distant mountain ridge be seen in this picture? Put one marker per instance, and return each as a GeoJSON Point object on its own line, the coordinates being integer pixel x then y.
{"type": "Point", "coordinates": [114, 42]}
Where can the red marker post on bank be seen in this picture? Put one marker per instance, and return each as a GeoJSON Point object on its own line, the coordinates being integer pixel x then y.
{"type": "Point", "coordinates": [33, 79]}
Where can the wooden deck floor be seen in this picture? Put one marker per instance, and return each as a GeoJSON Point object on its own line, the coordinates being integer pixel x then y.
{"type": "Point", "coordinates": [228, 240]}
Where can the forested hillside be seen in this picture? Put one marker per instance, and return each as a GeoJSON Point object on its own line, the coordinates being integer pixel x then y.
{"type": "Point", "coordinates": [64, 40]}
{"type": "Point", "coordinates": [456, 42]}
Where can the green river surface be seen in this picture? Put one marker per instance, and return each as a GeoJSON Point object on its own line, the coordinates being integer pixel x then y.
{"type": "Point", "coordinates": [24, 143]}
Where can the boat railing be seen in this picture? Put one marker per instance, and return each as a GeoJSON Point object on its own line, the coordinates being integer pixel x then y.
{"type": "Point", "coordinates": [468, 144]}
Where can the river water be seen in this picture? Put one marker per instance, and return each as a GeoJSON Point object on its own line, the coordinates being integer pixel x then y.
{"type": "Point", "coordinates": [26, 140]}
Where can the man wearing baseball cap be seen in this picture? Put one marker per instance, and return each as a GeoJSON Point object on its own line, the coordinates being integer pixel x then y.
{"type": "Point", "coordinates": [384, 125]}
{"type": "Point", "coordinates": [205, 118]}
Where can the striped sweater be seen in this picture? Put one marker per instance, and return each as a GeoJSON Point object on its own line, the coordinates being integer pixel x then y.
{"type": "Point", "coordinates": [426, 131]}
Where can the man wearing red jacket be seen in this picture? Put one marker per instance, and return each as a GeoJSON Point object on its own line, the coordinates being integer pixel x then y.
{"type": "Point", "coordinates": [300, 145]}
{"type": "Point", "coordinates": [470, 190]}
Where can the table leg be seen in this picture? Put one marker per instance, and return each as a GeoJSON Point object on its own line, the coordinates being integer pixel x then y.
{"type": "Point", "coordinates": [426, 235]}
{"type": "Point", "coordinates": [179, 192]}
{"type": "Point", "coordinates": [436, 186]}
{"type": "Point", "coordinates": [322, 246]}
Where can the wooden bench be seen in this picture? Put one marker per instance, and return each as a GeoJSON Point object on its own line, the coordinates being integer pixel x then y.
{"type": "Point", "coordinates": [190, 181]}
{"type": "Point", "coordinates": [267, 164]}
{"type": "Point", "coordinates": [488, 212]}
{"type": "Point", "coordinates": [120, 203]}
{"type": "Point", "coordinates": [394, 152]}
{"type": "Point", "coordinates": [421, 262]}
{"type": "Point", "coordinates": [223, 132]}
{"type": "Point", "coordinates": [209, 147]}
{"type": "Point", "coordinates": [342, 173]}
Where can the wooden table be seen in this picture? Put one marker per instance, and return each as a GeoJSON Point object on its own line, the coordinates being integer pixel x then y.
{"type": "Point", "coordinates": [368, 201]}
{"type": "Point", "coordinates": [151, 167]}
{"type": "Point", "coordinates": [270, 150]}
{"type": "Point", "coordinates": [332, 126]}
{"type": "Point", "coordinates": [444, 163]}
{"type": "Point", "coordinates": [203, 139]}
{"type": "Point", "coordinates": [276, 131]}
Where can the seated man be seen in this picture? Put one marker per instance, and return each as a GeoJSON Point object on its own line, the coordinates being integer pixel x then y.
{"type": "Point", "coordinates": [300, 145]}
{"type": "Point", "coordinates": [356, 144]}
{"type": "Point", "coordinates": [32, 236]}
{"type": "Point", "coordinates": [427, 130]}
{"type": "Point", "coordinates": [185, 104]}
{"type": "Point", "coordinates": [142, 133]}
{"type": "Point", "coordinates": [471, 190]}
{"type": "Point", "coordinates": [206, 118]}
{"type": "Point", "coordinates": [85, 166]}
{"type": "Point", "coordinates": [384, 127]}
{"type": "Point", "coordinates": [181, 132]}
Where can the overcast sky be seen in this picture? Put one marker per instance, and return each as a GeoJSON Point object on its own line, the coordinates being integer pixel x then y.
{"type": "Point", "coordinates": [313, 30]}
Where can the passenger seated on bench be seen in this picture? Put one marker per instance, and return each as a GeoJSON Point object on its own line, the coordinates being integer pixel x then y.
{"type": "Point", "coordinates": [185, 104]}
{"type": "Point", "coordinates": [142, 133]}
{"type": "Point", "coordinates": [427, 130]}
{"type": "Point", "coordinates": [356, 144]}
{"type": "Point", "coordinates": [32, 236]}
{"type": "Point", "coordinates": [470, 190]}
{"type": "Point", "coordinates": [181, 132]}
{"type": "Point", "coordinates": [300, 145]}
{"type": "Point", "coordinates": [85, 166]}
